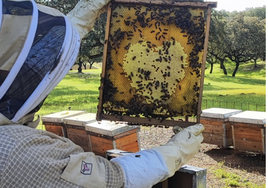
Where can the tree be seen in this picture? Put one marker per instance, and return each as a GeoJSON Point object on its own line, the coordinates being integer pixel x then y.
{"type": "Point", "coordinates": [256, 37]}
{"type": "Point", "coordinates": [259, 12]}
{"type": "Point", "coordinates": [91, 49]}
{"type": "Point", "coordinates": [238, 41]}
{"type": "Point", "coordinates": [63, 6]}
{"type": "Point", "coordinates": [217, 44]}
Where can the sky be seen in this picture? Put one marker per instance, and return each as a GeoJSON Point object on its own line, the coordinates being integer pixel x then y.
{"type": "Point", "coordinates": [237, 5]}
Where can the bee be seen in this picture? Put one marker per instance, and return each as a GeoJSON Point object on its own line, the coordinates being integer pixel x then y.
{"type": "Point", "coordinates": [127, 46]}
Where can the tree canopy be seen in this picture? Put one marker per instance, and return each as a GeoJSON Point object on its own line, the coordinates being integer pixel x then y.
{"type": "Point", "coordinates": [239, 36]}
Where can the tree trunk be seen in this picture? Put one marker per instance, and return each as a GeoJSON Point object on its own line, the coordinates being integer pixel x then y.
{"type": "Point", "coordinates": [80, 65]}
{"type": "Point", "coordinates": [85, 65]}
{"type": "Point", "coordinates": [211, 68]}
{"type": "Point", "coordinates": [223, 67]}
{"type": "Point", "coordinates": [90, 64]}
{"type": "Point", "coordinates": [255, 63]}
{"type": "Point", "coordinates": [236, 68]}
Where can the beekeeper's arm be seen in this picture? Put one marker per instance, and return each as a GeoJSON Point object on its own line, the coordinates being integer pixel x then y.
{"type": "Point", "coordinates": [85, 13]}
{"type": "Point", "coordinates": [148, 167]}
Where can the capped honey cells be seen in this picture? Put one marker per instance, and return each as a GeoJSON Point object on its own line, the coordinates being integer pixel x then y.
{"type": "Point", "coordinates": [153, 61]}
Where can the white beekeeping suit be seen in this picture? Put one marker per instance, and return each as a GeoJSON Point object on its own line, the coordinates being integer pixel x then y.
{"type": "Point", "coordinates": [38, 46]}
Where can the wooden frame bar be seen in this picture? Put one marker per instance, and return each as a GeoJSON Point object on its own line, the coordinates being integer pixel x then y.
{"type": "Point", "coordinates": [171, 3]}
{"type": "Point", "coordinates": [98, 117]}
{"type": "Point", "coordinates": [204, 63]}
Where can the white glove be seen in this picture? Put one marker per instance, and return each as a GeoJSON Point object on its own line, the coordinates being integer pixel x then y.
{"type": "Point", "coordinates": [85, 13]}
{"type": "Point", "coordinates": [148, 167]}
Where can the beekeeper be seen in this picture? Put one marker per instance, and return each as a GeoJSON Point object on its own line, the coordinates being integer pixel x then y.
{"type": "Point", "coordinates": [38, 46]}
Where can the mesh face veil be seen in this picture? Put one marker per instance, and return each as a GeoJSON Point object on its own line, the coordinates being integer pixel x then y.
{"type": "Point", "coordinates": [38, 50]}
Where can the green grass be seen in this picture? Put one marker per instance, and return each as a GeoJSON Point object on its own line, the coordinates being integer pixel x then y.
{"type": "Point", "coordinates": [246, 91]}
{"type": "Point", "coordinates": [232, 179]}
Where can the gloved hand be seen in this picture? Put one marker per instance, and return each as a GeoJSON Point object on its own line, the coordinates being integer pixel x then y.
{"type": "Point", "coordinates": [85, 13]}
{"type": "Point", "coordinates": [148, 167]}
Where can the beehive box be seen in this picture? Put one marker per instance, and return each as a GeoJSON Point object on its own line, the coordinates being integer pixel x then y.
{"type": "Point", "coordinates": [154, 60]}
{"type": "Point", "coordinates": [75, 127]}
{"type": "Point", "coordinates": [107, 135]}
{"type": "Point", "coordinates": [54, 122]}
{"type": "Point", "coordinates": [218, 130]}
{"type": "Point", "coordinates": [248, 129]}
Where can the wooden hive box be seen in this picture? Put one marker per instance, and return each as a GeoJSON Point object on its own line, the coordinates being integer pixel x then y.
{"type": "Point", "coordinates": [75, 127]}
{"type": "Point", "coordinates": [218, 130]}
{"type": "Point", "coordinates": [248, 131]}
{"type": "Point", "coordinates": [107, 135]}
{"type": "Point", "coordinates": [54, 122]}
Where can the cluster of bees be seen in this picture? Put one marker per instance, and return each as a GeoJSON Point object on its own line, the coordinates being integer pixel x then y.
{"type": "Point", "coordinates": [154, 59]}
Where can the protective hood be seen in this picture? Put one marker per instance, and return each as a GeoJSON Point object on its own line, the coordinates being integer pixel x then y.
{"type": "Point", "coordinates": [38, 46]}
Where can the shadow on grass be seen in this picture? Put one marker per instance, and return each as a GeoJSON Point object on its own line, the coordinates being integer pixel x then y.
{"type": "Point", "coordinates": [238, 80]}
{"type": "Point", "coordinates": [250, 162]}
{"type": "Point", "coordinates": [72, 91]}
{"type": "Point", "coordinates": [71, 97]}
{"type": "Point", "coordinates": [93, 78]}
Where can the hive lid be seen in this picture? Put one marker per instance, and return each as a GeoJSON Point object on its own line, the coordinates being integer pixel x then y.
{"type": "Point", "coordinates": [109, 128]}
{"type": "Point", "coordinates": [81, 119]}
{"type": "Point", "coordinates": [221, 113]}
{"type": "Point", "coordinates": [58, 116]}
{"type": "Point", "coordinates": [253, 117]}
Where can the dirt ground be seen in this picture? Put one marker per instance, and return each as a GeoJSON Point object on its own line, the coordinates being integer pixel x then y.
{"type": "Point", "coordinates": [249, 166]}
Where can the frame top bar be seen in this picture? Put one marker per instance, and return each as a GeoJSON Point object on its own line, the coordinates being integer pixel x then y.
{"type": "Point", "coordinates": [171, 2]}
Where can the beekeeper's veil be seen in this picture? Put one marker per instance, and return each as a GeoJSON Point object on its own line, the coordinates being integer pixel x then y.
{"type": "Point", "coordinates": [38, 46]}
